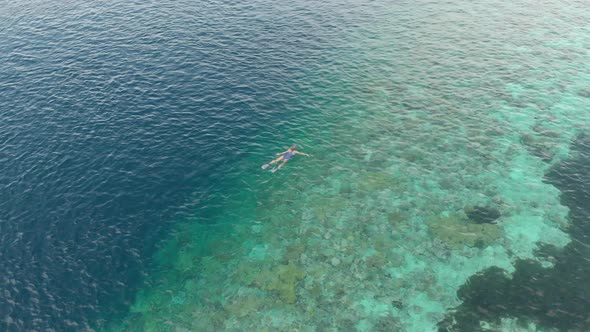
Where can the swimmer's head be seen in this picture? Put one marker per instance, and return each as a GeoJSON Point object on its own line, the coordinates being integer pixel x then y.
{"type": "Point", "coordinates": [293, 147]}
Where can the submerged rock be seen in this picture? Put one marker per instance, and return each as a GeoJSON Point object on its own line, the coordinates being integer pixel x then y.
{"type": "Point", "coordinates": [482, 214]}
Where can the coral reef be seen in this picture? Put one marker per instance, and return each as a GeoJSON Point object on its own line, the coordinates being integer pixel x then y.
{"type": "Point", "coordinates": [244, 306]}
{"type": "Point", "coordinates": [456, 231]}
{"type": "Point", "coordinates": [378, 180]}
{"type": "Point", "coordinates": [381, 237]}
{"type": "Point", "coordinates": [540, 147]}
{"type": "Point", "coordinates": [482, 214]}
{"type": "Point", "coordinates": [282, 280]}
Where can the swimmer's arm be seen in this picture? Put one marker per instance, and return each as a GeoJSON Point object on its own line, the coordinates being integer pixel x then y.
{"type": "Point", "coordinates": [303, 154]}
{"type": "Point", "coordinates": [282, 153]}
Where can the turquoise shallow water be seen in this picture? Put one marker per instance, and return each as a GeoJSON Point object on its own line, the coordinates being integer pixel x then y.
{"type": "Point", "coordinates": [424, 118]}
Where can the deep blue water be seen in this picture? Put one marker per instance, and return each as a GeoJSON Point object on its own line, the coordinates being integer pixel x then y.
{"type": "Point", "coordinates": [120, 119]}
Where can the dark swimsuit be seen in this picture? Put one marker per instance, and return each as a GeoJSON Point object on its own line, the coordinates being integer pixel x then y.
{"type": "Point", "coordinates": [288, 155]}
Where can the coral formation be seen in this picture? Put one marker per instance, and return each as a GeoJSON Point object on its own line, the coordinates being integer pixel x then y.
{"type": "Point", "coordinates": [482, 214]}
{"type": "Point", "coordinates": [294, 251]}
{"type": "Point", "coordinates": [324, 207]}
{"type": "Point", "coordinates": [540, 147]}
{"type": "Point", "coordinates": [456, 231]}
{"type": "Point", "coordinates": [377, 181]}
{"type": "Point", "coordinates": [244, 306]}
{"type": "Point", "coordinates": [282, 280]}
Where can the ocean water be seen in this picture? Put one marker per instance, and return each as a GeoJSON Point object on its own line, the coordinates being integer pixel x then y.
{"type": "Point", "coordinates": [447, 188]}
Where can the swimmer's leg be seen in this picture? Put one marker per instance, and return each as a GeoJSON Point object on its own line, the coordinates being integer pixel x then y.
{"type": "Point", "coordinates": [276, 160]}
{"type": "Point", "coordinates": [265, 166]}
{"type": "Point", "coordinates": [279, 167]}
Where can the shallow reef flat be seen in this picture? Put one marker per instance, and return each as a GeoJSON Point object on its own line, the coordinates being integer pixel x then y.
{"type": "Point", "coordinates": [380, 241]}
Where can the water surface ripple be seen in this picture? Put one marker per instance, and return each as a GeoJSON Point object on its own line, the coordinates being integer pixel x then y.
{"type": "Point", "coordinates": [132, 134]}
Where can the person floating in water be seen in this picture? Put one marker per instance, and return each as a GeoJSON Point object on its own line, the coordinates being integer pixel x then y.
{"type": "Point", "coordinates": [284, 156]}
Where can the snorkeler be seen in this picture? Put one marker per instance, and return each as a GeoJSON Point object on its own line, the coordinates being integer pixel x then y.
{"type": "Point", "coordinates": [284, 156]}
